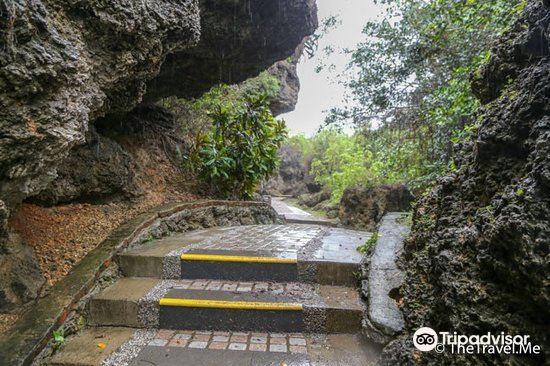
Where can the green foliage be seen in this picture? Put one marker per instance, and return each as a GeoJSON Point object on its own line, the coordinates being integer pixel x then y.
{"type": "Point", "coordinates": [413, 78]}
{"type": "Point", "coordinates": [231, 137]}
{"type": "Point", "coordinates": [365, 158]}
{"type": "Point", "coordinates": [417, 47]}
{"type": "Point", "coordinates": [405, 220]}
{"type": "Point", "coordinates": [59, 337]}
{"type": "Point", "coordinates": [342, 163]}
{"type": "Point", "coordinates": [368, 244]}
{"type": "Point", "coordinates": [242, 147]}
{"type": "Point", "coordinates": [193, 117]}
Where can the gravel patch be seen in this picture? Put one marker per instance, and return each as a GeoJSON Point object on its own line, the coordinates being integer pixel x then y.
{"type": "Point", "coordinates": [149, 309]}
{"type": "Point", "coordinates": [307, 271]}
{"type": "Point", "coordinates": [171, 264]}
{"type": "Point", "coordinates": [129, 350]}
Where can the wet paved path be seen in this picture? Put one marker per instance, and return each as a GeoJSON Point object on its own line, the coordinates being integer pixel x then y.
{"type": "Point", "coordinates": [296, 215]}
{"type": "Point", "coordinates": [244, 295]}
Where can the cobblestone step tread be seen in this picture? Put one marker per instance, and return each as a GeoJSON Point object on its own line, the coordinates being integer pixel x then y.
{"type": "Point", "coordinates": [163, 347]}
{"type": "Point", "coordinates": [132, 302]}
{"type": "Point", "coordinates": [284, 253]}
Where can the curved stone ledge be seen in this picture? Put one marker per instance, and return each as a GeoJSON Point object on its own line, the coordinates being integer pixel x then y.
{"type": "Point", "coordinates": [383, 319]}
{"type": "Point", "coordinates": [34, 329]}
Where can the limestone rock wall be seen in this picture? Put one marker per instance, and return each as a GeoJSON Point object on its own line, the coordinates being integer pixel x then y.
{"type": "Point", "coordinates": [364, 208]}
{"type": "Point", "coordinates": [478, 257]}
{"type": "Point", "coordinates": [240, 38]}
{"type": "Point", "coordinates": [286, 72]}
{"type": "Point", "coordinates": [65, 64]}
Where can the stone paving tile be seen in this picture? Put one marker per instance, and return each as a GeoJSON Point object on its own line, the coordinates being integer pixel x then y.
{"type": "Point", "coordinates": [237, 346]}
{"type": "Point", "coordinates": [165, 334]}
{"type": "Point", "coordinates": [229, 287]}
{"type": "Point", "coordinates": [218, 345]}
{"type": "Point", "coordinates": [262, 340]}
{"type": "Point", "coordinates": [277, 340]}
{"type": "Point", "coordinates": [218, 333]}
{"type": "Point", "coordinates": [297, 341]}
{"type": "Point", "coordinates": [201, 338]}
{"type": "Point", "coordinates": [183, 284]}
{"type": "Point", "coordinates": [280, 238]}
{"type": "Point", "coordinates": [177, 343]}
{"type": "Point", "coordinates": [257, 347]}
{"type": "Point", "coordinates": [235, 341]}
{"type": "Point", "coordinates": [220, 338]}
{"type": "Point", "coordinates": [198, 344]}
{"type": "Point", "coordinates": [277, 348]}
{"type": "Point", "coordinates": [198, 285]}
{"type": "Point", "coordinates": [244, 287]}
{"type": "Point", "coordinates": [255, 334]}
{"type": "Point", "coordinates": [277, 288]}
{"type": "Point", "coordinates": [239, 339]}
{"type": "Point", "coordinates": [158, 342]}
{"type": "Point", "coordinates": [214, 285]}
{"type": "Point", "coordinates": [182, 337]}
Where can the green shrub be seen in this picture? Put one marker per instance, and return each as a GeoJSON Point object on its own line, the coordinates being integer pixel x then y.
{"type": "Point", "coordinates": [241, 149]}
{"type": "Point", "coordinates": [231, 137]}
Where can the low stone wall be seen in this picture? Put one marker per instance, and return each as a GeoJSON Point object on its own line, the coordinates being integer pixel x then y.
{"type": "Point", "coordinates": [222, 213]}
{"type": "Point", "coordinates": [33, 330]}
{"type": "Point", "coordinates": [381, 279]}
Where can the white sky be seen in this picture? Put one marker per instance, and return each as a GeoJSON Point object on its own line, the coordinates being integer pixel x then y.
{"type": "Point", "coordinates": [320, 92]}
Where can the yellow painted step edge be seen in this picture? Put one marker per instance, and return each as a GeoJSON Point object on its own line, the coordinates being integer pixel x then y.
{"type": "Point", "coordinates": [240, 305]}
{"type": "Point", "coordinates": [235, 258]}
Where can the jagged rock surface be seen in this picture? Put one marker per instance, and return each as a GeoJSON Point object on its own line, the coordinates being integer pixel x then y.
{"type": "Point", "coordinates": [286, 73]}
{"type": "Point", "coordinates": [363, 207]}
{"type": "Point", "coordinates": [239, 39]}
{"type": "Point", "coordinates": [478, 257]}
{"type": "Point", "coordinates": [64, 64]}
{"type": "Point", "coordinates": [20, 277]}
{"type": "Point", "coordinates": [101, 169]}
{"type": "Point", "coordinates": [292, 177]}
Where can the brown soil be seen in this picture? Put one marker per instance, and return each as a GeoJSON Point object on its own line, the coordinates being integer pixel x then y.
{"type": "Point", "coordinates": [62, 235]}
{"type": "Point", "coordinates": [6, 321]}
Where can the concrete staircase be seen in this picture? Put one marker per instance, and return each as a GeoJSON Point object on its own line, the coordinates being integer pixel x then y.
{"type": "Point", "coordinates": [258, 295]}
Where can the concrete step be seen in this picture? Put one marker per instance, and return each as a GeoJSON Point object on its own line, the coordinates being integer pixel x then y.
{"type": "Point", "coordinates": [238, 266]}
{"type": "Point", "coordinates": [228, 305]}
{"type": "Point", "coordinates": [123, 346]}
{"type": "Point", "coordinates": [91, 347]}
{"type": "Point", "coordinates": [283, 253]}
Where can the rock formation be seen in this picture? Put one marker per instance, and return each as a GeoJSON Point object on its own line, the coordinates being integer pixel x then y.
{"type": "Point", "coordinates": [285, 71]}
{"type": "Point", "coordinates": [239, 39]}
{"type": "Point", "coordinates": [64, 65]}
{"type": "Point", "coordinates": [478, 257]}
{"type": "Point", "coordinates": [363, 208]}
{"type": "Point", "coordinates": [292, 177]}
